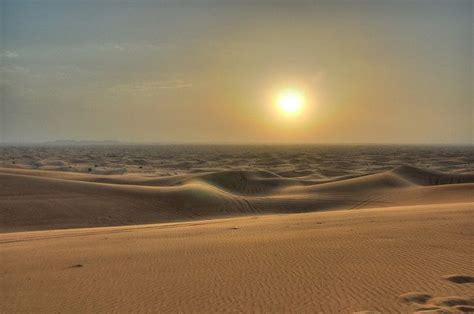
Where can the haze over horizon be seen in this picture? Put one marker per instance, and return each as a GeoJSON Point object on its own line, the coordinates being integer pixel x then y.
{"type": "Point", "coordinates": [209, 72]}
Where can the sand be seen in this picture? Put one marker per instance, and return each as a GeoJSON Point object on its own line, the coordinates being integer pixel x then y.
{"type": "Point", "coordinates": [329, 262]}
{"type": "Point", "coordinates": [38, 199]}
{"type": "Point", "coordinates": [247, 239]}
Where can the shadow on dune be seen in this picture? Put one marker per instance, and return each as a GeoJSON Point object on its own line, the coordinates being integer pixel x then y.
{"type": "Point", "coordinates": [425, 177]}
{"type": "Point", "coordinates": [33, 200]}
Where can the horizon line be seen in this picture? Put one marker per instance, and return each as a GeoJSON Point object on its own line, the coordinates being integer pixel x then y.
{"type": "Point", "coordinates": [229, 143]}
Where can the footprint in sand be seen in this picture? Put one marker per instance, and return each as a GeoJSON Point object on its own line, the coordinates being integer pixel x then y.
{"type": "Point", "coordinates": [460, 279]}
{"type": "Point", "coordinates": [414, 298]}
{"type": "Point", "coordinates": [444, 310]}
{"type": "Point", "coordinates": [432, 310]}
{"type": "Point", "coordinates": [428, 304]}
{"type": "Point", "coordinates": [452, 301]}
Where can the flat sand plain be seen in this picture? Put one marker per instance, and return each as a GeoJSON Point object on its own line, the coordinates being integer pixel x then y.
{"type": "Point", "coordinates": [330, 230]}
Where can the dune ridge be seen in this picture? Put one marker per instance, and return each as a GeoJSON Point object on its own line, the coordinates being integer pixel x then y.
{"type": "Point", "coordinates": [38, 199]}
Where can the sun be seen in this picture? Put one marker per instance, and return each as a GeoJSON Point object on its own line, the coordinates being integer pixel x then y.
{"type": "Point", "coordinates": [290, 102]}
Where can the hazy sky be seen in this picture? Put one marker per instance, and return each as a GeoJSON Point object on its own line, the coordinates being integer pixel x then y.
{"type": "Point", "coordinates": [208, 71]}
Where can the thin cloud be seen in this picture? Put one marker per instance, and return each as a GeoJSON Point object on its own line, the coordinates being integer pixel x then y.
{"type": "Point", "coordinates": [9, 54]}
{"type": "Point", "coordinates": [151, 87]}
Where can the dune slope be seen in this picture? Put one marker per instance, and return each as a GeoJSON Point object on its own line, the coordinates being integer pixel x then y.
{"type": "Point", "coordinates": [35, 200]}
{"type": "Point", "coordinates": [389, 260]}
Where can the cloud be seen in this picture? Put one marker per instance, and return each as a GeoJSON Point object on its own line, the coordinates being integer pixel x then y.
{"type": "Point", "coordinates": [9, 54]}
{"type": "Point", "coordinates": [131, 47]}
{"type": "Point", "coordinates": [57, 72]}
{"type": "Point", "coordinates": [95, 49]}
{"type": "Point", "coordinates": [150, 87]}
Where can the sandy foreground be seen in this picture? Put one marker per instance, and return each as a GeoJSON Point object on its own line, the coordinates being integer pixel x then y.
{"type": "Point", "coordinates": [388, 260]}
{"type": "Point", "coordinates": [244, 240]}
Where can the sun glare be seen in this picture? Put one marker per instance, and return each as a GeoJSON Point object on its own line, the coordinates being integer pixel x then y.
{"type": "Point", "coordinates": [290, 102]}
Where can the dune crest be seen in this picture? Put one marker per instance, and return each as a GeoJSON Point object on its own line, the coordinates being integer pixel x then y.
{"type": "Point", "coordinates": [426, 177]}
{"type": "Point", "coordinates": [52, 199]}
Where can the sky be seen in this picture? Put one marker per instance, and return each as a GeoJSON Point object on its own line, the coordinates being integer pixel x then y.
{"type": "Point", "coordinates": [210, 71]}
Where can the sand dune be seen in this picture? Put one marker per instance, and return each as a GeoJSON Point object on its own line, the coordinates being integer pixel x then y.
{"type": "Point", "coordinates": [425, 177]}
{"type": "Point", "coordinates": [202, 230]}
{"type": "Point", "coordinates": [38, 199]}
{"type": "Point", "coordinates": [381, 260]}
{"type": "Point", "coordinates": [308, 161]}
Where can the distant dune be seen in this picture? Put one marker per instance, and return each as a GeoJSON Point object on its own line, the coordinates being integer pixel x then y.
{"type": "Point", "coordinates": [34, 199]}
{"type": "Point", "coordinates": [81, 143]}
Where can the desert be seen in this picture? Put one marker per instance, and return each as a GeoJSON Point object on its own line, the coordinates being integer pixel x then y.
{"type": "Point", "coordinates": [277, 237]}
{"type": "Point", "coordinates": [236, 156]}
